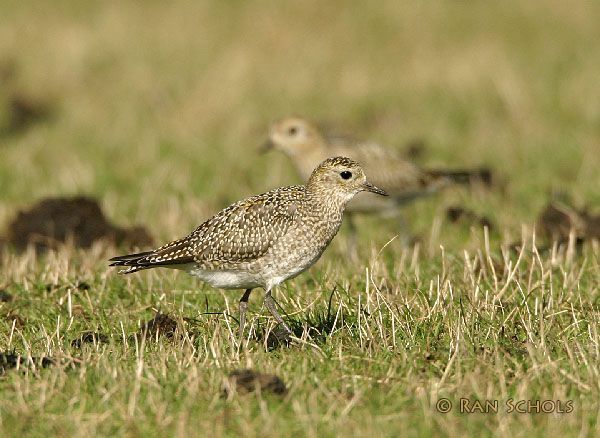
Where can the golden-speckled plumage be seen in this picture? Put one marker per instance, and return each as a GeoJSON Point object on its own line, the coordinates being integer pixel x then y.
{"type": "Point", "coordinates": [268, 237]}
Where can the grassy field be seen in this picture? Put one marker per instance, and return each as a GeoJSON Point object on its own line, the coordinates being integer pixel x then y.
{"type": "Point", "coordinates": [158, 111]}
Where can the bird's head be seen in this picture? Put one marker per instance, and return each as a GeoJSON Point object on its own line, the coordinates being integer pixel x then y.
{"type": "Point", "coordinates": [342, 178]}
{"type": "Point", "coordinates": [294, 136]}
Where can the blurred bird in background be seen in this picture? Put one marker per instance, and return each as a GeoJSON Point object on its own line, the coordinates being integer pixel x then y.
{"type": "Point", "coordinates": [306, 146]}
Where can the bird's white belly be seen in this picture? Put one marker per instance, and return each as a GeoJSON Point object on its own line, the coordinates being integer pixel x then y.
{"type": "Point", "coordinates": [270, 275]}
{"type": "Point", "coordinates": [227, 279]}
{"type": "Point", "coordinates": [295, 269]}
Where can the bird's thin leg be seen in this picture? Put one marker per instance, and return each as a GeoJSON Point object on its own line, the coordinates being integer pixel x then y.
{"type": "Point", "coordinates": [270, 303]}
{"type": "Point", "coordinates": [243, 309]}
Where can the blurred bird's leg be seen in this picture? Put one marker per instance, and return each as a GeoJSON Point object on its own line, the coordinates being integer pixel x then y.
{"type": "Point", "coordinates": [243, 310]}
{"type": "Point", "coordinates": [353, 238]}
{"type": "Point", "coordinates": [270, 304]}
{"type": "Point", "coordinates": [403, 229]}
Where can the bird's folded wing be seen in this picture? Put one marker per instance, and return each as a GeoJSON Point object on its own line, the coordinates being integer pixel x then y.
{"type": "Point", "coordinates": [240, 233]}
{"type": "Point", "coordinates": [246, 230]}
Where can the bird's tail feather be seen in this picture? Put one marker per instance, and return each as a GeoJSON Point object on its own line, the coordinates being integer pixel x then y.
{"type": "Point", "coordinates": [119, 260]}
{"type": "Point", "coordinates": [134, 262]}
{"type": "Point", "coordinates": [146, 260]}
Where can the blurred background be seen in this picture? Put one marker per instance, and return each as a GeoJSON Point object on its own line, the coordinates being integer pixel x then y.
{"type": "Point", "coordinates": [158, 109]}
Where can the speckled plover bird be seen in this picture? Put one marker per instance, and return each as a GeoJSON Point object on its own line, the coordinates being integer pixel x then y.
{"type": "Point", "coordinates": [307, 146]}
{"type": "Point", "coordinates": [265, 239]}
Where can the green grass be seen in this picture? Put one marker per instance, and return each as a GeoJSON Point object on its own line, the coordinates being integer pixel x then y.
{"type": "Point", "coordinates": [159, 111]}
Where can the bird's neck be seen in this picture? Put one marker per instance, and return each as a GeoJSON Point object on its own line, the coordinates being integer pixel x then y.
{"type": "Point", "coordinates": [322, 214]}
{"type": "Point", "coordinates": [326, 199]}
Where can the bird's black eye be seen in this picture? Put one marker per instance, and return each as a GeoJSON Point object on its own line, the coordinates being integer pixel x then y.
{"type": "Point", "coordinates": [346, 174]}
{"type": "Point", "coordinates": [293, 130]}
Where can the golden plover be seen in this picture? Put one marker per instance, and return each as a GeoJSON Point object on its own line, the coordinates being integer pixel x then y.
{"type": "Point", "coordinates": [265, 239]}
{"type": "Point", "coordinates": [306, 146]}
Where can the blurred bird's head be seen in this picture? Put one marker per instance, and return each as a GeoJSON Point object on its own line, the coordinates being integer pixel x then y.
{"type": "Point", "coordinates": [294, 137]}
{"type": "Point", "coordinates": [341, 178]}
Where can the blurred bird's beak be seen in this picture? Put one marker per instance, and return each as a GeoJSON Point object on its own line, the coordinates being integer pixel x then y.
{"type": "Point", "coordinates": [266, 146]}
{"type": "Point", "coordinates": [371, 188]}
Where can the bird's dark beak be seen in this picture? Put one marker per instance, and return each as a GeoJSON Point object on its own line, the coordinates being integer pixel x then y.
{"type": "Point", "coordinates": [266, 146]}
{"type": "Point", "coordinates": [367, 186]}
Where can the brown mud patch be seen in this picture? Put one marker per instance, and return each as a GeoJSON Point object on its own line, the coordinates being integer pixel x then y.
{"type": "Point", "coordinates": [556, 222]}
{"type": "Point", "coordinates": [157, 327]}
{"type": "Point", "coordinates": [12, 360]}
{"type": "Point", "coordinates": [246, 380]}
{"type": "Point", "coordinates": [456, 214]}
{"type": "Point", "coordinates": [78, 220]}
{"type": "Point", "coordinates": [89, 338]}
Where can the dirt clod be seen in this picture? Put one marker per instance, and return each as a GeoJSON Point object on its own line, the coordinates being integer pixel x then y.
{"type": "Point", "coordinates": [82, 285]}
{"type": "Point", "coordinates": [247, 380]}
{"type": "Point", "coordinates": [24, 111]}
{"type": "Point", "coordinates": [12, 360]}
{"type": "Point", "coordinates": [557, 221]}
{"type": "Point", "coordinates": [457, 214]}
{"type": "Point", "coordinates": [89, 338]}
{"type": "Point", "coordinates": [54, 221]}
{"type": "Point", "coordinates": [20, 108]}
{"type": "Point", "coordinates": [161, 325]}
{"type": "Point", "coordinates": [5, 297]}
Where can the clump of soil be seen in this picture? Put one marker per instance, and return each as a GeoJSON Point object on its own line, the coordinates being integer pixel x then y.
{"type": "Point", "coordinates": [247, 380]}
{"type": "Point", "coordinates": [557, 221]}
{"type": "Point", "coordinates": [457, 214]}
{"type": "Point", "coordinates": [20, 109]}
{"type": "Point", "coordinates": [80, 220]}
{"type": "Point", "coordinates": [161, 325]}
{"type": "Point", "coordinates": [80, 286]}
{"type": "Point", "coordinates": [12, 360]}
{"type": "Point", "coordinates": [5, 297]}
{"type": "Point", "coordinates": [89, 338]}
{"type": "Point", "coordinates": [24, 111]}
